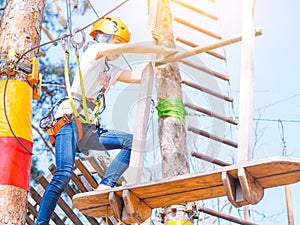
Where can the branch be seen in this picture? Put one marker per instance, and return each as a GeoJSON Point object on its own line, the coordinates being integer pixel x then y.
{"type": "Point", "coordinates": [44, 140]}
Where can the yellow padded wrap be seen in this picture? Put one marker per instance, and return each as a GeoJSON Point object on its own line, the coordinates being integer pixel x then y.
{"type": "Point", "coordinates": [18, 109]}
{"type": "Point", "coordinates": [180, 222]}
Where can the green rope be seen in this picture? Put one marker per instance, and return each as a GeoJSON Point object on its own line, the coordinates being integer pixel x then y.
{"type": "Point", "coordinates": [171, 107]}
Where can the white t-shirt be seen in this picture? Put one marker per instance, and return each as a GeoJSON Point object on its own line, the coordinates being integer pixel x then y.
{"type": "Point", "coordinates": [94, 74]}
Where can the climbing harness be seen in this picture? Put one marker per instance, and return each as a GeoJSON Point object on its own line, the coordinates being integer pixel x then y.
{"type": "Point", "coordinates": [50, 124]}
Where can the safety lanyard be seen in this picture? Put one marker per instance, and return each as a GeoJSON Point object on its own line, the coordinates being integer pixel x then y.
{"type": "Point", "coordinates": [68, 87]}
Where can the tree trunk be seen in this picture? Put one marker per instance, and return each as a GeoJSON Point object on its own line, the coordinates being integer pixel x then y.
{"type": "Point", "coordinates": [13, 205]}
{"type": "Point", "coordinates": [20, 30]}
{"type": "Point", "coordinates": [172, 130]}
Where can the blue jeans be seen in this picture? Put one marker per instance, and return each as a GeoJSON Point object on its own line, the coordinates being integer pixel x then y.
{"type": "Point", "coordinates": [66, 144]}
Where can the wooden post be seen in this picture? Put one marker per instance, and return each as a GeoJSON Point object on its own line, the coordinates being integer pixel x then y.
{"type": "Point", "coordinates": [140, 133]}
{"type": "Point", "coordinates": [289, 204]}
{"type": "Point", "coordinates": [246, 83]}
{"type": "Point", "coordinates": [246, 87]}
{"type": "Point", "coordinates": [17, 36]}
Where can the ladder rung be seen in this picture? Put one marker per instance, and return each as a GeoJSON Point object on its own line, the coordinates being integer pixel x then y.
{"type": "Point", "coordinates": [206, 90]}
{"type": "Point", "coordinates": [195, 9]}
{"type": "Point", "coordinates": [60, 14]}
{"type": "Point", "coordinates": [178, 56]}
{"type": "Point", "coordinates": [206, 70]}
{"type": "Point", "coordinates": [209, 33]}
{"type": "Point", "coordinates": [44, 28]}
{"type": "Point", "coordinates": [224, 216]}
{"type": "Point", "coordinates": [212, 136]}
{"type": "Point", "coordinates": [209, 159]}
{"type": "Point", "coordinates": [211, 113]}
{"type": "Point", "coordinates": [191, 44]}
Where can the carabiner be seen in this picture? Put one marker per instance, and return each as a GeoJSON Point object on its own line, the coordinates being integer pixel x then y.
{"type": "Point", "coordinates": [63, 43]}
{"type": "Point", "coordinates": [78, 45]}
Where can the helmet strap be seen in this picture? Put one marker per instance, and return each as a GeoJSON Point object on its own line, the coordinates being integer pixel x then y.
{"type": "Point", "coordinates": [109, 38]}
{"type": "Point", "coordinates": [101, 39]}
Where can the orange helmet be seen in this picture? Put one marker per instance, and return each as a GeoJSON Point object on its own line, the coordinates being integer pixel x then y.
{"type": "Point", "coordinates": [111, 25]}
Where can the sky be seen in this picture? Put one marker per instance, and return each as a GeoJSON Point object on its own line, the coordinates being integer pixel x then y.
{"type": "Point", "coordinates": [276, 79]}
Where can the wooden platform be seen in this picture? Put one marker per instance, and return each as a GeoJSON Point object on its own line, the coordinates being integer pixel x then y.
{"type": "Point", "coordinates": [243, 184]}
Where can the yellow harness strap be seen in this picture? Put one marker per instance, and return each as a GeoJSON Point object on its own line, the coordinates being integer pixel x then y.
{"type": "Point", "coordinates": [68, 87]}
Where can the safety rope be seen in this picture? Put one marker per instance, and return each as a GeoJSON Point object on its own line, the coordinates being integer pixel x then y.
{"type": "Point", "coordinates": [68, 87]}
{"type": "Point", "coordinates": [71, 34]}
{"type": "Point", "coordinates": [171, 107]}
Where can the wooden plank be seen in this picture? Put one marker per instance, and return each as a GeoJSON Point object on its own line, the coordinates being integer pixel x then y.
{"type": "Point", "coordinates": [268, 173]}
{"type": "Point", "coordinates": [31, 210]}
{"type": "Point", "coordinates": [62, 204]}
{"type": "Point", "coordinates": [135, 207]}
{"type": "Point", "coordinates": [99, 165]}
{"type": "Point", "coordinates": [94, 162]}
{"type": "Point", "coordinates": [36, 196]}
{"type": "Point", "coordinates": [70, 192]}
{"type": "Point", "coordinates": [86, 173]}
{"type": "Point", "coordinates": [253, 192]}
{"type": "Point", "coordinates": [99, 211]}
{"type": "Point", "coordinates": [78, 183]}
{"type": "Point", "coordinates": [116, 203]}
{"type": "Point", "coordinates": [28, 220]}
{"type": "Point", "coordinates": [230, 186]}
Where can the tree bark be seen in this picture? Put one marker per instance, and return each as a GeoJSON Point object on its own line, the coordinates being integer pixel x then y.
{"type": "Point", "coordinates": [172, 130]}
{"type": "Point", "coordinates": [13, 205]}
{"type": "Point", "coordinates": [20, 29]}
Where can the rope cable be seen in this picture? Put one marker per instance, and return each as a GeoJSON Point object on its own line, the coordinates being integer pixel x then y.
{"type": "Point", "coordinates": [281, 133]}
{"type": "Point", "coordinates": [93, 8]}
{"type": "Point", "coordinates": [71, 34]}
{"type": "Point", "coordinates": [68, 6]}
